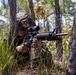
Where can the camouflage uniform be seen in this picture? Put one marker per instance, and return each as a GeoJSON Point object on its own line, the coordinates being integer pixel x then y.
{"type": "Point", "coordinates": [38, 55]}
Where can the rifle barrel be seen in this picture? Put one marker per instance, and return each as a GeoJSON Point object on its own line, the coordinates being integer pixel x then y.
{"type": "Point", "coordinates": [49, 36]}
{"type": "Point", "coordinates": [61, 34]}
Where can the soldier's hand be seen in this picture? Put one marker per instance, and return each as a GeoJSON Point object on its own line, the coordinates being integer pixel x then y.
{"type": "Point", "coordinates": [35, 43]}
{"type": "Point", "coordinates": [23, 48]}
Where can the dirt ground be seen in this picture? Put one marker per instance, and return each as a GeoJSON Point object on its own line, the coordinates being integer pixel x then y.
{"type": "Point", "coordinates": [35, 71]}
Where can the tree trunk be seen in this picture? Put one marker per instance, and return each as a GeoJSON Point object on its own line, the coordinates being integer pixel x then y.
{"type": "Point", "coordinates": [12, 18]}
{"type": "Point", "coordinates": [31, 9]}
{"type": "Point", "coordinates": [47, 26]}
{"type": "Point", "coordinates": [71, 65]}
{"type": "Point", "coordinates": [58, 29]}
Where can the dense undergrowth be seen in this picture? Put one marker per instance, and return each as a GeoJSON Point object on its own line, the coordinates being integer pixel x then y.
{"type": "Point", "coordinates": [8, 64]}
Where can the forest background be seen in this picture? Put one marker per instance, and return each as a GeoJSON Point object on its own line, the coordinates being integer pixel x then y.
{"type": "Point", "coordinates": [44, 11]}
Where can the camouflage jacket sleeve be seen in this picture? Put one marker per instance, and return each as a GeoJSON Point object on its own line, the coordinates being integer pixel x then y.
{"type": "Point", "coordinates": [42, 51]}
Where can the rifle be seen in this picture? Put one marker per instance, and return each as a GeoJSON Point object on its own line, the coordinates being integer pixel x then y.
{"type": "Point", "coordinates": [50, 36]}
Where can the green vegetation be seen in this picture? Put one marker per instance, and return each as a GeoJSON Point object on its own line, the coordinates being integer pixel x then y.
{"type": "Point", "coordinates": [41, 10]}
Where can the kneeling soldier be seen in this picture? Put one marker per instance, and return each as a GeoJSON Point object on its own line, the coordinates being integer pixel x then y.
{"type": "Point", "coordinates": [39, 50]}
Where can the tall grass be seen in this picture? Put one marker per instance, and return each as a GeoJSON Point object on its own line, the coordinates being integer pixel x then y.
{"type": "Point", "coordinates": [7, 63]}
{"type": "Point", "coordinates": [6, 58]}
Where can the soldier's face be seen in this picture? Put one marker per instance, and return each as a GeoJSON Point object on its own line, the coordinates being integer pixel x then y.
{"type": "Point", "coordinates": [22, 32]}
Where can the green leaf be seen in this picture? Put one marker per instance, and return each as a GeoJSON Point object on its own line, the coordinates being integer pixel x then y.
{"type": "Point", "coordinates": [50, 1]}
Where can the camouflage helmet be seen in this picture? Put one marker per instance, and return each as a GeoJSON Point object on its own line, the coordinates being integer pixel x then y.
{"type": "Point", "coordinates": [24, 21]}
